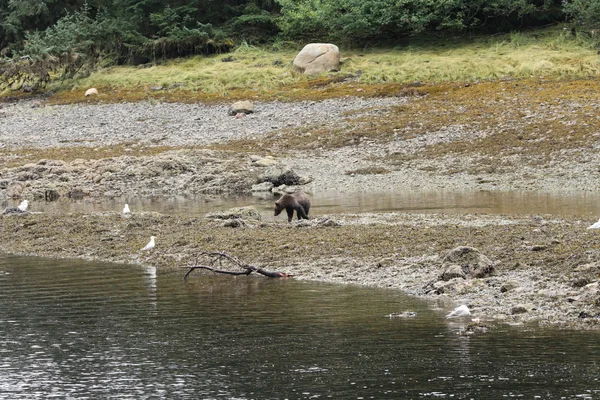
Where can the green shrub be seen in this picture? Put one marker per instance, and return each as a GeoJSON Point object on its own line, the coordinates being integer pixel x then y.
{"type": "Point", "coordinates": [585, 14]}
{"type": "Point", "coordinates": [351, 20]}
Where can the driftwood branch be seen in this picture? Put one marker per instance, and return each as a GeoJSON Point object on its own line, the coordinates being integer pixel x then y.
{"type": "Point", "coordinates": [221, 257]}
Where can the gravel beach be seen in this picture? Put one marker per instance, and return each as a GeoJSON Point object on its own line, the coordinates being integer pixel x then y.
{"type": "Point", "coordinates": [27, 125]}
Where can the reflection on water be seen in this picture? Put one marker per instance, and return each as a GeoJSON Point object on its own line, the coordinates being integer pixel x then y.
{"type": "Point", "coordinates": [71, 329]}
{"type": "Point", "coordinates": [421, 201]}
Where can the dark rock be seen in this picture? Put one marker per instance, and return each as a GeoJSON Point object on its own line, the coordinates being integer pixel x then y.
{"type": "Point", "coordinates": [476, 327]}
{"type": "Point", "coordinates": [13, 211]}
{"type": "Point", "coordinates": [519, 309]}
{"type": "Point", "coordinates": [451, 272]}
{"type": "Point", "coordinates": [580, 282]}
{"type": "Point", "coordinates": [584, 315]}
{"type": "Point", "coordinates": [51, 195]}
{"type": "Point", "coordinates": [288, 177]}
{"type": "Point", "coordinates": [508, 286]}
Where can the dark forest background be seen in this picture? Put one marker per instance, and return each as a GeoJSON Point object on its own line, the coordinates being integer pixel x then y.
{"type": "Point", "coordinates": [71, 33]}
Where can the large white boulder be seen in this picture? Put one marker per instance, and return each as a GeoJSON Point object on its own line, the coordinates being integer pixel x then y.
{"type": "Point", "coordinates": [316, 58]}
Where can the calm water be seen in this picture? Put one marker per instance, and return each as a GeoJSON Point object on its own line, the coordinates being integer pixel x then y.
{"type": "Point", "coordinates": [420, 201]}
{"type": "Point", "coordinates": [77, 330]}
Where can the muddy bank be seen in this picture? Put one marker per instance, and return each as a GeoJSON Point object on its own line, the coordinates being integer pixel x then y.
{"type": "Point", "coordinates": [545, 269]}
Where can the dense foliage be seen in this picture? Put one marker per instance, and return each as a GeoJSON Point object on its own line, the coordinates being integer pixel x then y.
{"type": "Point", "coordinates": [134, 30]}
{"type": "Point", "coordinates": [365, 19]}
{"type": "Point", "coordinates": [585, 14]}
{"type": "Point", "coordinates": [72, 36]}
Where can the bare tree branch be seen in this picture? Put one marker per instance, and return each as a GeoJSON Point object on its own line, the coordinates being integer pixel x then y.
{"type": "Point", "coordinates": [221, 257]}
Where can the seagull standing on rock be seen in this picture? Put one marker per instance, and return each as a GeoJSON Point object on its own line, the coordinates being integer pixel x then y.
{"type": "Point", "coordinates": [23, 206]}
{"type": "Point", "coordinates": [461, 311]}
{"type": "Point", "coordinates": [126, 209]}
{"type": "Point", "coordinates": [150, 244]}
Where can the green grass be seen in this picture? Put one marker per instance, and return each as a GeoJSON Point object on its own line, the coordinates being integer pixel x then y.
{"type": "Point", "coordinates": [253, 68]}
{"type": "Point", "coordinates": [519, 55]}
{"type": "Point", "coordinates": [546, 52]}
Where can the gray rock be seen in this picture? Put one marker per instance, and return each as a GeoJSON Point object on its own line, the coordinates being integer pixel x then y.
{"type": "Point", "coordinates": [451, 286]}
{"type": "Point", "coordinates": [234, 223]}
{"type": "Point", "coordinates": [265, 162]}
{"type": "Point", "coordinates": [76, 193]}
{"type": "Point", "coordinates": [242, 213]}
{"type": "Point", "coordinates": [385, 262]}
{"type": "Point", "coordinates": [15, 189]}
{"type": "Point", "coordinates": [241, 107]}
{"type": "Point", "coordinates": [262, 187]}
{"type": "Point", "coordinates": [473, 263]}
{"type": "Point", "coordinates": [329, 222]}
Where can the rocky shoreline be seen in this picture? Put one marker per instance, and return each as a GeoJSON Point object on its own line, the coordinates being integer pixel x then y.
{"type": "Point", "coordinates": [546, 268]}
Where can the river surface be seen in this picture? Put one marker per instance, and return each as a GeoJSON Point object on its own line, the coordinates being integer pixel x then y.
{"type": "Point", "coordinates": [417, 201]}
{"type": "Point", "coordinates": [83, 330]}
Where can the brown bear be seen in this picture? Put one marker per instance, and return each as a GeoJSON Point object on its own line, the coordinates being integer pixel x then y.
{"type": "Point", "coordinates": [296, 201]}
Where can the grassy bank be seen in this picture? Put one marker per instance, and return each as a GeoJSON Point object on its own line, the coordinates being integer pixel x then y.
{"type": "Point", "coordinates": [267, 73]}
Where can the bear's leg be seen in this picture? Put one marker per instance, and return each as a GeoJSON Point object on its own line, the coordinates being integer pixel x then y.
{"type": "Point", "coordinates": [301, 214]}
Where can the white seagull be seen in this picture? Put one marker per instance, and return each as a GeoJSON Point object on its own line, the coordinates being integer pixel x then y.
{"type": "Point", "coordinates": [461, 311]}
{"type": "Point", "coordinates": [23, 206]}
{"type": "Point", "coordinates": [126, 209]}
{"type": "Point", "coordinates": [595, 226]}
{"type": "Point", "coordinates": [150, 244]}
